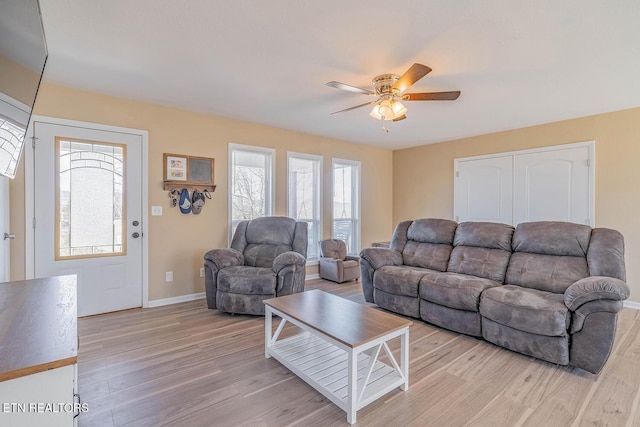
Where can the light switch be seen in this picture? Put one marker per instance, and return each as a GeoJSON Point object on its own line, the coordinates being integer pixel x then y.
{"type": "Point", "coordinates": [156, 210]}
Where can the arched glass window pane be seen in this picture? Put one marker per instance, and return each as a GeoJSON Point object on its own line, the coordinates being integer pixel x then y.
{"type": "Point", "coordinates": [90, 216]}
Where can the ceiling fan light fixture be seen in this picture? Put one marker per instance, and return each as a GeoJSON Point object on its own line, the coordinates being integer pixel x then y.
{"type": "Point", "coordinates": [388, 109]}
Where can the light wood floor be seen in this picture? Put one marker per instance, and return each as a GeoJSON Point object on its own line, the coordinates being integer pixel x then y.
{"type": "Point", "coordinates": [185, 365]}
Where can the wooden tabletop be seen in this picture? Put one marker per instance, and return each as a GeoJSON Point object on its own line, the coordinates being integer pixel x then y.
{"type": "Point", "coordinates": [346, 321]}
{"type": "Point", "coordinates": [38, 326]}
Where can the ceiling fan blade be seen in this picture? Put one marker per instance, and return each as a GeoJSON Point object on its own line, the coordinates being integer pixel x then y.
{"type": "Point", "coordinates": [353, 108]}
{"type": "Point", "coordinates": [412, 75]}
{"type": "Point", "coordinates": [432, 96]}
{"type": "Point", "coordinates": [349, 88]}
{"type": "Point", "coordinates": [402, 117]}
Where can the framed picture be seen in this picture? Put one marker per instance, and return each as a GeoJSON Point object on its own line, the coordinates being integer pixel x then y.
{"type": "Point", "coordinates": [175, 167]}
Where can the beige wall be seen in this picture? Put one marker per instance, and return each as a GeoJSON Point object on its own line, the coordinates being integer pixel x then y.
{"type": "Point", "coordinates": [177, 242]}
{"type": "Point", "coordinates": [423, 176]}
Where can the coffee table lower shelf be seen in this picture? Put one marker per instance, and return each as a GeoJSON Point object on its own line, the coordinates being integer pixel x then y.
{"type": "Point", "coordinates": [326, 367]}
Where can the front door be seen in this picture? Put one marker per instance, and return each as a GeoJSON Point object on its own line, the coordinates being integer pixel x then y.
{"type": "Point", "coordinates": [88, 213]}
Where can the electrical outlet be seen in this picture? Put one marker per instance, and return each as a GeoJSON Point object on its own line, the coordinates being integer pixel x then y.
{"type": "Point", "coordinates": [201, 271]}
{"type": "Point", "coordinates": [168, 276]}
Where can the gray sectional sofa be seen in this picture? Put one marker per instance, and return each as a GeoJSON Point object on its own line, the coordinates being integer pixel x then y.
{"type": "Point", "coordinates": [551, 290]}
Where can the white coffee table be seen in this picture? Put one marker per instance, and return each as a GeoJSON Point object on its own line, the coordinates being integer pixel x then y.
{"type": "Point", "coordinates": [337, 349]}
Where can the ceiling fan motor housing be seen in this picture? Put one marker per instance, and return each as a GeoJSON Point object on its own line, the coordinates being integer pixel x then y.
{"type": "Point", "coordinates": [384, 84]}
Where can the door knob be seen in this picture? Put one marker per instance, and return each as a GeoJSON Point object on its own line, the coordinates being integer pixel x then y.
{"type": "Point", "coordinates": [135, 235]}
{"type": "Point", "coordinates": [135, 223]}
{"type": "Point", "coordinates": [9, 236]}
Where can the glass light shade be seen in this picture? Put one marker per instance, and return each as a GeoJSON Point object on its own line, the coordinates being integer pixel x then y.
{"type": "Point", "coordinates": [398, 109]}
{"type": "Point", "coordinates": [389, 109]}
{"type": "Point", "coordinates": [375, 113]}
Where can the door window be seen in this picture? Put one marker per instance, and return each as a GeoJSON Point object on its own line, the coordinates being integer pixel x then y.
{"type": "Point", "coordinates": [90, 219]}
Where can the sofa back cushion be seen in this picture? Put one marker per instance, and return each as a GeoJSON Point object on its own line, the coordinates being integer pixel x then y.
{"type": "Point", "coordinates": [428, 243]}
{"type": "Point", "coordinates": [481, 249]}
{"type": "Point", "coordinates": [333, 248]}
{"type": "Point", "coordinates": [548, 255]}
{"type": "Point", "coordinates": [263, 239]}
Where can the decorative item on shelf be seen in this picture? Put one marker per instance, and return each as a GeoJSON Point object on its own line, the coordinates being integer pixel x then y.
{"type": "Point", "coordinates": [188, 172]}
{"type": "Point", "coordinates": [174, 194]}
{"type": "Point", "coordinates": [197, 202]}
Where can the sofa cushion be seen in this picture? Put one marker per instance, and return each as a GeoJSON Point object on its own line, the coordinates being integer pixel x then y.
{"type": "Point", "coordinates": [453, 290]}
{"type": "Point", "coordinates": [426, 255]}
{"type": "Point", "coordinates": [333, 248]}
{"type": "Point", "coordinates": [545, 272]}
{"type": "Point", "coordinates": [399, 280]}
{"type": "Point", "coordinates": [260, 255]}
{"type": "Point", "coordinates": [432, 230]}
{"type": "Point", "coordinates": [528, 310]}
{"type": "Point", "coordinates": [247, 280]}
{"type": "Point", "coordinates": [490, 235]}
{"type": "Point", "coordinates": [428, 243]}
{"type": "Point", "coordinates": [552, 238]}
{"type": "Point", "coordinates": [481, 262]}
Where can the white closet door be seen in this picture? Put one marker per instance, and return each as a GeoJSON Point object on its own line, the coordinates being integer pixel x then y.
{"type": "Point", "coordinates": [483, 190]}
{"type": "Point", "coordinates": [552, 185]}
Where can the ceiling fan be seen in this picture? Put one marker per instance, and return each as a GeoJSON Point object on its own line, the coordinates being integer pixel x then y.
{"type": "Point", "coordinates": [389, 91]}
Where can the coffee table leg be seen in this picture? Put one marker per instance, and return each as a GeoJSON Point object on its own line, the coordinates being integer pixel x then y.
{"type": "Point", "coordinates": [353, 387]}
{"type": "Point", "coordinates": [267, 331]}
{"type": "Point", "coordinates": [404, 359]}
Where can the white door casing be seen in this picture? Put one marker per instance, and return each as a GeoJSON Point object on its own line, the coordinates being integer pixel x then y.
{"type": "Point", "coordinates": [4, 228]}
{"type": "Point", "coordinates": [548, 184]}
{"type": "Point", "coordinates": [105, 283]}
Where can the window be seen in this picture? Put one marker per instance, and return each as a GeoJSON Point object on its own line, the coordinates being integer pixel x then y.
{"type": "Point", "coordinates": [346, 203]}
{"type": "Point", "coordinates": [251, 192]}
{"type": "Point", "coordinates": [90, 215]}
{"type": "Point", "coordinates": [304, 196]}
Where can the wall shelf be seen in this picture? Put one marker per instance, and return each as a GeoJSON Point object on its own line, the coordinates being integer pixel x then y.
{"type": "Point", "coordinates": [179, 185]}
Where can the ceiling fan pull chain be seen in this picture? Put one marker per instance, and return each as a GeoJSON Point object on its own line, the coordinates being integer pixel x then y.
{"type": "Point", "coordinates": [384, 128]}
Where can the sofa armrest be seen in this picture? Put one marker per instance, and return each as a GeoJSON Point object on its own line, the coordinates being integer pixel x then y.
{"type": "Point", "coordinates": [288, 258]}
{"type": "Point", "coordinates": [379, 257]}
{"type": "Point", "coordinates": [331, 269]}
{"type": "Point", "coordinates": [222, 258]}
{"type": "Point", "coordinates": [352, 258]}
{"type": "Point", "coordinates": [595, 288]}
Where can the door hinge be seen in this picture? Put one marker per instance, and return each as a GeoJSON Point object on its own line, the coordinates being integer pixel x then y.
{"type": "Point", "coordinates": [457, 174]}
{"type": "Point", "coordinates": [33, 222]}
{"type": "Point", "coordinates": [457, 218]}
{"type": "Point", "coordinates": [588, 163]}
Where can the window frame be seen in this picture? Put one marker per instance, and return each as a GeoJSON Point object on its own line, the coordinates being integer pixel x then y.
{"type": "Point", "coordinates": [317, 199]}
{"type": "Point", "coordinates": [355, 200]}
{"type": "Point", "coordinates": [270, 197]}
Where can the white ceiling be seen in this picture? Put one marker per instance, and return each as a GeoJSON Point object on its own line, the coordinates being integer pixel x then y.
{"type": "Point", "coordinates": [517, 62]}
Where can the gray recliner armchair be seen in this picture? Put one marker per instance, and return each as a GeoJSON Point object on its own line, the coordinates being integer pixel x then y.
{"type": "Point", "coordinates": [267, 259]}
{"type": "Point", "coordinates": [335, 264]}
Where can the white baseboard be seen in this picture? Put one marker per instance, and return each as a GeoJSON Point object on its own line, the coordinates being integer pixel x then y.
{"type": "Point", "coordinates": [312, 276]}
{"type": "Point", "coordinates": [632, 304]}
{"type": "Point", "coordinates": [175, 300]}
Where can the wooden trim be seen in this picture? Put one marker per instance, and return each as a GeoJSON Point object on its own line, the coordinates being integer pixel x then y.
{"type": "Point", "coordinates": [30, 370]}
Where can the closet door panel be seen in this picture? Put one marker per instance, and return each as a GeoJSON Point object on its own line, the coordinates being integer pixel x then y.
{"type": "Point", "coordinates": [483, 190]}
{"type": "Point", "coordinates": [552, 186]}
